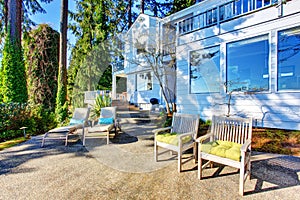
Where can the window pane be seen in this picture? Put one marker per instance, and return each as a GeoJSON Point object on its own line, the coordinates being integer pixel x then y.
{"type": "Point", "coordinates": [246, 6]}
{"type": "Point", "coordinates": [247, 65]}
{"type": "Point", "coordinates": [222, 12]}
{"type": "Point", "coordinates": [209, 17]}
{"type": "Point", "coordinates": [267, 2]}
{"type": "Point", "coordinates": [205, 70]}
{"type": "Point", "coordinates": [258, 3]}
{"type": "Point", "coordinates": [288, 59]}
{"type": "Point", "coordinates": [238, 7]}
{"type": "Point", "coordinates": [144, 81]}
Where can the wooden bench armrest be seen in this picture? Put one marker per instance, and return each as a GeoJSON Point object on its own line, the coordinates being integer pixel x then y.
{"type": "Point", "coordinates": [156, 131]}
{"type": "Point", "coordinates": [181, 135]}
{"type": "Point", "coordinates": [246, 146]}
{"type": "Point", "coordinates": [204, 137]}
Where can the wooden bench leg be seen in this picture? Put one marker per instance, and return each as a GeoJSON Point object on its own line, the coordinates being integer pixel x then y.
{"type": "Point", "coordinates": [155, 152]}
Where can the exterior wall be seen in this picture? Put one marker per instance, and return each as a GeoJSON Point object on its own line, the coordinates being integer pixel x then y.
{"type": "Point", "coordinates": [141, 97]}
{"type": "Point", "coordinates": [270, 108]}
{"type": "Point", "coordinates": [134, 64]}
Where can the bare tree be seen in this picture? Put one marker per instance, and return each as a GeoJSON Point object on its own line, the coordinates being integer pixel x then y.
{"type": "Point", "coordinates": [156, 52]}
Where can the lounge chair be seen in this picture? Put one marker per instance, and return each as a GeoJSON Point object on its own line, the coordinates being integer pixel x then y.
{"type": "Point", "coordinates": [105, 124]}
{"type": "Point", "coordinates": [183, 133]}
{"type": "Point", "coordinates": [78, 121]}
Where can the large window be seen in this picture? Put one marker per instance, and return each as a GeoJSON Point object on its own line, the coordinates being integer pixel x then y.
{"type": "Point", "coordinates": [144, 81]}
{"type": "Point", "coordinates": [289, 59]}
{"type": "Point", "coordinates": [205, 70]}
{"type": "Point", "coordinates": [248, 65]}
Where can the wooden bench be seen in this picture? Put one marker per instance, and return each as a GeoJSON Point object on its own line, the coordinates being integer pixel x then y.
{"type": "Point", "coordinates": [229, 143]}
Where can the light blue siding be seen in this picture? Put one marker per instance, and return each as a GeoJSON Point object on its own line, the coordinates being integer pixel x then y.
{"type": "Point", "coordinates": [269, 109]}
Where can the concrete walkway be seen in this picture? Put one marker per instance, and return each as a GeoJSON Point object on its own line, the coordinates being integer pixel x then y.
{"type": "Point", "coordinates": [125, 169]}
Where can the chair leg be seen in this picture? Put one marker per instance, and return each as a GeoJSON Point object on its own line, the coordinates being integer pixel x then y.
{"type": "Point", "coordinates": [83, 137]}
{"type": "Point", "coordinates": [242, 174]}
{"type": "Point", "coordinates": [66, 143]}
{"type": "Point", "coordinates": [43, 140]}
{"type": "Point", "coordinates": [249, 169]}
{"type": "Point", "coordinates": [179, 161]}
{"type": "Point", "coordinates": [199, 166]}
{"type": "Point", "coordinates": [107, 137]}
{"type": "Point", "coordinates": [155, 152]}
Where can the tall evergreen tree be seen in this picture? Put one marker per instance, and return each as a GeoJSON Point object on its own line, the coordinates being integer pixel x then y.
{"type": "Point", "coordinates": [13, 69]}
{"type": "Point", "coordinates": [181, 4]}
{"type": "Point", "coordinates": [61, 109]}
{"type": "Point", "coordinates": [94, 23]}
{"type": "Point", "coordinates": [29, 7]}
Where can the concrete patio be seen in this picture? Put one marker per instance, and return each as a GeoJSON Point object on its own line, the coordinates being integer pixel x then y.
{"type": "Point", "coordinates": [125, 169]}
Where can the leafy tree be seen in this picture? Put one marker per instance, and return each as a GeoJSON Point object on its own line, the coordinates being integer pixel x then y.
{"type": "Point", "coordinates": [61, 109]}
{"type": "Point", "coordinates": [41, 53]}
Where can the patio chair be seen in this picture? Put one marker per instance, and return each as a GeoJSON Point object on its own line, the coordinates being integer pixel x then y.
{"type": "Point", "coordinates": [181, 136]}
{"type": "Point", "coordinates": [105, 124]}
{"type": "Point", "coordinates": [229, 144]}
{"type": "Point", "coordinates": [78, 121]}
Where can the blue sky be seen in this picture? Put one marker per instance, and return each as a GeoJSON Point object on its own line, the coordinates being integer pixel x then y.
{"type": "Point", "coordinates": [52, 17]}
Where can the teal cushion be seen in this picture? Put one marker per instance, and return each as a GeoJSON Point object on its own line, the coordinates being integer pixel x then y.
{"type": "Point", "coordinates": [76, 121]}
{"type": "Point", "coordinates": [172, 138]}
{"type": "Point", "coordinates": [106, 120]}
{"type": "Point", "coordinates": [226, 149]}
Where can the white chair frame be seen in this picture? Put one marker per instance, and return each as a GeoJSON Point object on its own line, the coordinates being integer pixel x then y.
{"type": "Point", "coordinates": [238, 130]}
{"type": "Point", "coordinates": [185, 125]}
{"type": "Point", "coordinates": [79, 114]}
{"type": "Point", "coordinates": [106, 112]}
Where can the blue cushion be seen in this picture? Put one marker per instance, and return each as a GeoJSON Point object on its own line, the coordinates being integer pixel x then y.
{"type": "Point", "coordinates": [76, 121]}
{"type": "Point", "coordinates": [106, 120]}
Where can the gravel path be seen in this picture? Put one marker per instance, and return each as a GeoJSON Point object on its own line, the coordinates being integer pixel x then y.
{"type": "Point", "coordinates": [125, 169]}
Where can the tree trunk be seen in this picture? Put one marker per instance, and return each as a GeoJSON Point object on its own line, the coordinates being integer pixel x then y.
{"type": "Point", "coordinates": [129, 13]}
{"type": "Point", "coordinates": [14, 20]}
{"type": "Point", "coordinates": [63, 43]}
{"type": "Point", "coordinates": [142, 6]}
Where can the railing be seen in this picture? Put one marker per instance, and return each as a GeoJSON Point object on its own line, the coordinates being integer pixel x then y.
{"type": "Point", "coordinates": [90, 96]}
{"type": "Point", "coordinates": [222, 13]}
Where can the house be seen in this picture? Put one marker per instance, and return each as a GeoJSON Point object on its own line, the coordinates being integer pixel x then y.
{"type": "Point", "coordinates": [234, 57]}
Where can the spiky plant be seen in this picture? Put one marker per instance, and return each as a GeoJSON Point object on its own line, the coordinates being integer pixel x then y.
{"type": "Point", "coordinates": [100, 102]}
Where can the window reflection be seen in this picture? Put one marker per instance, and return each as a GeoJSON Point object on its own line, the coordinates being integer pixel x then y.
{"type": "Point", "coordinates": [247, 65]}
{"type": "Point", "coordinates": [144, 81]}
{"type": "Point", "coordinates": [205, 70]}
{"type": "Point", "coordinates": [288, 59]}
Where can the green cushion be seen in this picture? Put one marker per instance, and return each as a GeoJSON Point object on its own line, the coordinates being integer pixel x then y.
{"type": "Point", "coordinates": [224, 149]}
{"type": "Point", "coordinates": [172, 138]}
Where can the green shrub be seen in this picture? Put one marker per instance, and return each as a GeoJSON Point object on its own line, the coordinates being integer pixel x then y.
{"type": "Point", "coordinates": [16, 115]}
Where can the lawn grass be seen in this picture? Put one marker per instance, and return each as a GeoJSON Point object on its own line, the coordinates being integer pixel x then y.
{"type": "Point", "coordinates": [13, 142]}
{"type": "Point", "coordinates": [276, 141]}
